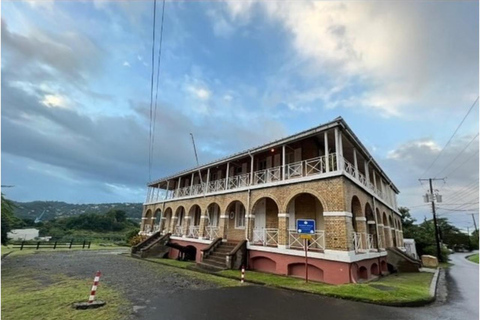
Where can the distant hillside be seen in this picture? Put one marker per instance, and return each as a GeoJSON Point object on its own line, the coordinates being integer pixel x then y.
{"type": "Point", "coordinates": [56, 209]}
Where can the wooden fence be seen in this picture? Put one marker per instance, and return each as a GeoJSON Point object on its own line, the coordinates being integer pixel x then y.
{"type": "Point", "coordinates": [49, 245]}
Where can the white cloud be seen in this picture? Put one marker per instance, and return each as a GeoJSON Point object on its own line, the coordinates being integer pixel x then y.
{"type": "Point", "coordinates": [199, 93]}
{"type": "Point", "coordinates": [227, 97]}
{"type": "Point", "coordinates": [126, 64]}
{"type": "Point", "coordinates": [55, 101]}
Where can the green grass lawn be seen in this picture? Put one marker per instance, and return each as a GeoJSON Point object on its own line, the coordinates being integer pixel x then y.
{"type": "Point", "coordinates": [26, 295]}
{"type": "Point", "coordinates": [18, 252]}
{"type": "Point", "coordinates": [395, 289]}
{"type": "Point", "coordinates": [473, 258]}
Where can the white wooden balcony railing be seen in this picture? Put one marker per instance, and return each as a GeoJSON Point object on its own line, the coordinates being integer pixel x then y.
{"type": "Point", "coordinates": [362, 241]}
{"type": "Point", "coordinates": [211, 232]}
{"type": "Point", "coordinates": [178, 231]}
{"type": "Point", "coordinates": [316, 243]}
{"type": "Point", "coordinates": [265, 236]}
{"type": "Point", "coordinates": [295, 170]}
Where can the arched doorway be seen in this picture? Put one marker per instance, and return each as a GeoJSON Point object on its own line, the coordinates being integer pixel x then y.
{"type": "Point", "coordinates": [371, 228]}
{"type": "Point", "coordinates": [180, 214]}
{"type": "Point", "coordinates": [213, 218]}
{"type": "Point", "coordinates": [236, 221]}
{"type": "Point", "coordinates": [193, 223]}
{"type": "Point", "coordinates": [306, 206]}
{"type": "Point", "coordinates": [147, 224]}
{"type": "Point", "coordinates": [393, 231]}
{"type": "Point", "coordinates": [168, 220]}
{"type": "Point", "coordinates": [386, 230]}
{"type": "Point", "coordinates": [265, 231]}
{"type": "Point", "coordinates": [157, 220]}
{"type": "Point", "coordinates": [358, 236]}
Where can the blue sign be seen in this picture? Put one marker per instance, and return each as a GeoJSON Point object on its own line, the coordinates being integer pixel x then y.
{"type": "Point", "coordinates": [305, 226]}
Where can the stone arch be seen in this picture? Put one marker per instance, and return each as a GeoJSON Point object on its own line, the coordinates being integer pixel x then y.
{"type": "Point", "coordinates": [195, 214]}
{"type": "Point", "coordinates": [298, 270]}
{"type": "Point", "coordinates": [168, 214]}
{"type": "Point", "coordinates": [363, 273]}
{"type": "Point", "coordinates": [264, 264]}
{"type": "Point", "coordinates": [371, 227]}
{"type": "Point", "coordinates": [356, 209]}
{"type": "Point", "coordinates": [261, 195]}
{"type": "Point", "coordinates": [306, 206]}
{"type": "Point", "coordinates": [180, 215]}
{"type": "Point", "coordinates": [266, 212]}
{"type": "Point", "coordinates": [236, 220]}
{"type": "Point", "coordinates": [147, 224]}
{"type": "Point", "coordinates": [374, 269]}
{"type": "Point", "coordinates": [226, 206]}
{"type": "Point", "coordinates": [213, 213]}
{"type": "Point", "coordinates": [292, 195]}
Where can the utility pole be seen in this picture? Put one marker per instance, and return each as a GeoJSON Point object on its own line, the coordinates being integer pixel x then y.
{"type": "Point", "coordinates": [474, 222]}
{"type": "Point", "coordinates": [432, 197]}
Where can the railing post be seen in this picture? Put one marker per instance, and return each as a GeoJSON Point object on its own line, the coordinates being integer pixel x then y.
{"type": "Point", "coordinates": [21, 247]}
{"type": "Point", "coordinates": [38, 245]}
{"type": "Point", "coordinates": [55, 245]}
{"type": "Point", "coordinates": [71, 242]}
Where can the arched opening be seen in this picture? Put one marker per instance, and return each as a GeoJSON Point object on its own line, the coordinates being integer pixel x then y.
{"type": "Point", "coordinates": [213, 218]}
{"type": "Point", "coordinates": [374, 269]}
{"type": "Point", "coordinates": [384, 266]}
{"type": "Point", "coordinates": [180, 214]}
{"type": "Point", "coordinates": [393, 231]}
{"type": "Point", "coordinates": [195, 215]}
{"type": "Point", "coordinates": [372, 227]}
{"type": "Point", "coordinates": [157, 220]}
{"type": "Point", "coordinates": [236, 221]}
{"type": "Point", "coordinates": [356, 212]}
{"type": "Point", "coordinates": [386, 230]}
{"type": "Point", "coordinates": [298, 270]}
{"type": "Point", "coordinates": [147, 224]}
{"type": "Point", "coordinates": [363, 273]}
{"type": "Point", "coordinates": [168, 220]}
{"type": "Point", "coordinates": [306, 206]}
{"type": "Point", "coordinates": [265, 230]}
{"type": "Point", "coordinates": [264, 264]}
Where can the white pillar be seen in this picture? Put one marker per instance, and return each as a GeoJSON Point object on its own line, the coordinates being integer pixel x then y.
{"type": "Point", "coordinates": [327, 156]}
{"type": "Point", "coordinates": [367, 174]}
{"type": "Point", "coordinates": [355, 162]}
{"type": "Point", "coordinates": [208, 180]}
{"type": "Point", "coordinates": [337, 148]}
{"type": "Point", "coordinates": [374, 180]}
{"type": "Point", "coordinates": [251, 169]}
{"type": "Point", "coordinates": [178, 187]}
{"type": "Point", "coordinates": [226, 177]}
{"type": "Point", "coordinates": [191, 182]}
{"type": "Point", "coordinates": [166, 193]}
{"type": "Point", "coordinates": [283, 162]}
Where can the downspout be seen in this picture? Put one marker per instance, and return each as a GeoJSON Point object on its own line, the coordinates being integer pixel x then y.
{"type": "Point", "coordinates": [376, 235]}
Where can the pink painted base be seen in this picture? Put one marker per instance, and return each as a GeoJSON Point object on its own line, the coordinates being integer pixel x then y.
{"type": "Point", "coordinates": [174, 252]}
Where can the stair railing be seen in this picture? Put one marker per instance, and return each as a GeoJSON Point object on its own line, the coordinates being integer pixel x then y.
{"type": "Point", "coordinates": [204, 253]}
{"type": "Point", "coordinates": [238, 256]}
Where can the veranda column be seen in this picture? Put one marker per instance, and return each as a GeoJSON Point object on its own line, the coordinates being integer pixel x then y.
{"type": "Point", "coordinates": [283, 230]}
{"type": "Point", "coordinates": [381, 236]}
{"type": "Point", "coordinates": [222, 226]}
{"type": "Point", "coordinates": [203, 224]}
{"type": "Point", "coordinates": [338, 230]}
{"type": "Point", "coordinates": [162, 223]}
{"type": "Point", "coordinates": [283, 162]}
{"type": "Point", "coordinates": [186, 224]}
{"type": "Point", "coordinates": [327, 156]}
{"type": "Point", "coordinates": [249, 225]}
{"type": "Point", "coordinates": [173, 223]}
{"type": "Point", "coordinates": [355, 163]}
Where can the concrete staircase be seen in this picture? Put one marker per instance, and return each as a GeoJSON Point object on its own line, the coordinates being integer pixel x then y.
{"type": "Point", "coordinates": [153, 246]}
{"type": "Point", "coordinates": [217, 260]}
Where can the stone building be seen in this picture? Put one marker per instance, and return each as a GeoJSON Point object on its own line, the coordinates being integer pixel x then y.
{"type": "Point", "coordinates": [324, 174]}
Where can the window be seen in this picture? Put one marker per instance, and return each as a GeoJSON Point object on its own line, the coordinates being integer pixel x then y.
{"type": "Point", "coordinates": [239, 216]}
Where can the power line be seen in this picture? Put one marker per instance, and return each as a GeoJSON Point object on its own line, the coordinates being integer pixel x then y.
{"type": "Point", "coordinates": [449, 140]}
{"type": "Point", "coordinates": [457, 155]}
{"type": "Point", "coordinates": [158, 76]}
{"type": "Point", "coordinates": [151, 94]}
{"type": "Point", "coordinates": [461, 165]}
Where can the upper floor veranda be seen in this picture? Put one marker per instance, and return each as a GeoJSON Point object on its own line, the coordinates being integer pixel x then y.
{"type": "Point", "coordinates": [325, 151]}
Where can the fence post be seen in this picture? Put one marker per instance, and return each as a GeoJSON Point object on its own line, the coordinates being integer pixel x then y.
{"type": "Point", "coordinates": [38, 245]}
{"type": "Point", "coordinates": [89, 242]}
{"type": "Point", "coordinates": [83, 247]}
{"type": "Point", "coordinates": [21, 247]}
{"type": "Point", "coordinates": [71, 242]}
{"type": "Point", "coordinates": [55, 245]}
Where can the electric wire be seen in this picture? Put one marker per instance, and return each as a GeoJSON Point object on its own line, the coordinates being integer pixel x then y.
{"type": "Point", "coordinates": [449, 140]}
{"type": "Point", "coordinates": [458, 155]}
{"type": "Point", "coordinates": [461, 165]}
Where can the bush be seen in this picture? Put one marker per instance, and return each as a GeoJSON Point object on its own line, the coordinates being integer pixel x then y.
{"type": "Point", "coordinates": [131, 234]}
{"type": "Point", "coordinates": [136, 240]}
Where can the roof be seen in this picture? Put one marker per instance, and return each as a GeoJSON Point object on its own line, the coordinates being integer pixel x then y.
{"type": "Point", "coordinates": [334, 123]}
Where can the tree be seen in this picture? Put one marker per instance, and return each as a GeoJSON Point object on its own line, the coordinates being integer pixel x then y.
{"type": "Point", "coordinates": [408, 223]}
{"type": "Point", "coordinates": [8, 218]}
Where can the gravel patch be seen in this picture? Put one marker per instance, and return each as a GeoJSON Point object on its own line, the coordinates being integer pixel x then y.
{"type": "Point", "coordinates": [137, 280]}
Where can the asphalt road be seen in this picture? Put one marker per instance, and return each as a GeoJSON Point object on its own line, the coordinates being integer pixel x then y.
{"type": "Point", "coordinates": [256, 302]}
{"type": "Point", "coordinates": [157, 294]}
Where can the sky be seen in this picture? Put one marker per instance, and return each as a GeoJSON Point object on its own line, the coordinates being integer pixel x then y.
{"type": "Point", "coordinates": [76, 91]}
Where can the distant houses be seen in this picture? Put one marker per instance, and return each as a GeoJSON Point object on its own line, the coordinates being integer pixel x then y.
{"type": "Point", "coordinates": [26, 234]}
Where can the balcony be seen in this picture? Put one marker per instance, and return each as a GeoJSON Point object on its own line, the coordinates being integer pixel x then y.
{"type": "Point", "coordinates": [316, 243]}
{"type": "Point", "coordinates": [363, 242]}
{"type": "Point", "coordinates": [317, 166]}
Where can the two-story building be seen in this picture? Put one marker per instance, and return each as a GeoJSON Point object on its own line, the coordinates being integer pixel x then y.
{"type": "Point", "coordinates": [324, 173]}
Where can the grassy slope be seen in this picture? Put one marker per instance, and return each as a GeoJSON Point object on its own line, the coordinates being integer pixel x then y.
{"type": "Point", "coordinates": [473, 258]}
{"type": "Point", "coordinates": [403, 288]}
{"type": "Point", "coordinates": [26, 296]}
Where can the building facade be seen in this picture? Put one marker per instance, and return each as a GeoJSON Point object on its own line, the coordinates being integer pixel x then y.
{"type": "Point", "coordinates": [324, 173]}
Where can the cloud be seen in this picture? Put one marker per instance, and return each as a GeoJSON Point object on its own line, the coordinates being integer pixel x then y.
{"type": "Point", "coordinates": [126, 64]}
{"type": "Point", "coordinates": [55, 101]}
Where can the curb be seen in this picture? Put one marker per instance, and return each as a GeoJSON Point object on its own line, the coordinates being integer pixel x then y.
{"type": "Point", "coordinates": [417, 303]}
{"type": "Point", "coordinates": [433, 284]}
{"type": "Point", "coordinates": [466, 258]}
